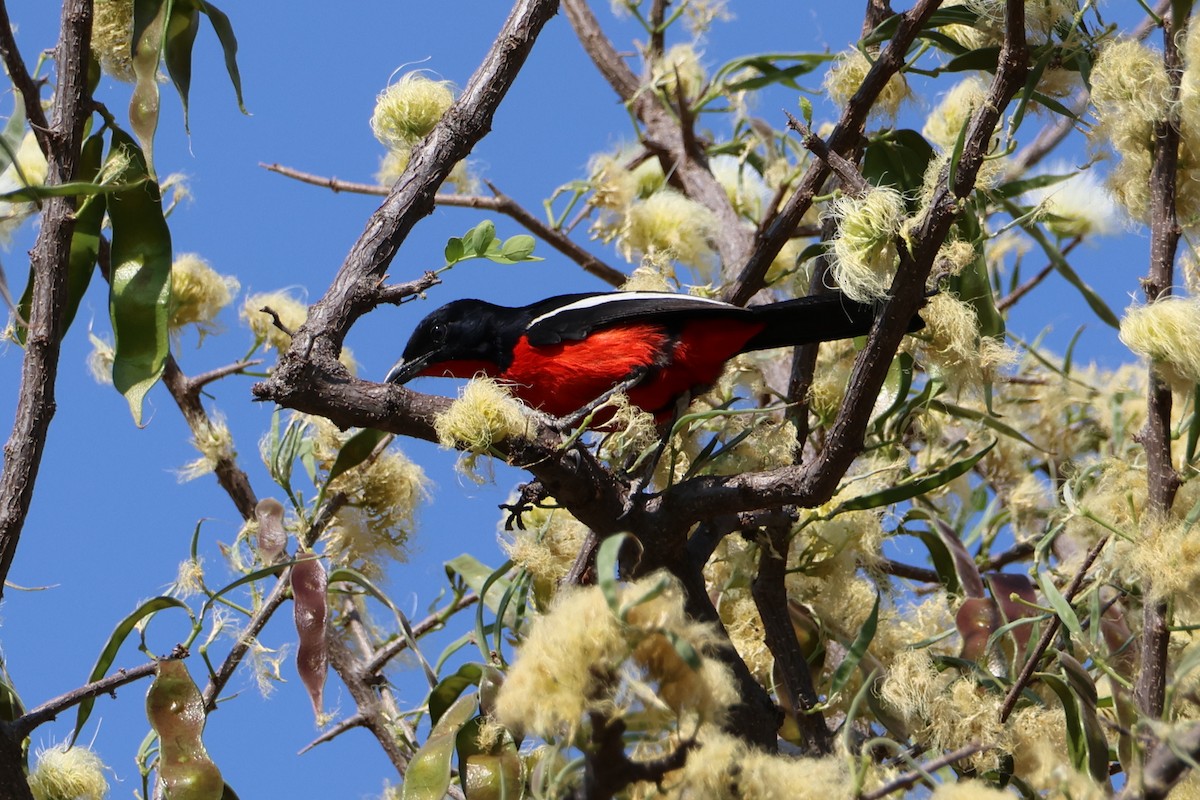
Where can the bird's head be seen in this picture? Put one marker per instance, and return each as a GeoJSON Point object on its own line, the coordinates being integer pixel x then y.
{"type": "Point", "coordinates": [459, 340]}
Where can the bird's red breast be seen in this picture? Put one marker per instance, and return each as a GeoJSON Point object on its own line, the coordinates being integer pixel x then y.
{"type": "Point", "coordinates": [564, 377]}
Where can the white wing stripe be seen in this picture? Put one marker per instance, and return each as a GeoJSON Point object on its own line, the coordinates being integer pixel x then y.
{"type": "Point", "coordinates": [624, 297]}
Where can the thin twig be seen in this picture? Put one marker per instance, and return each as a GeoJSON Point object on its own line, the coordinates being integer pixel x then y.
{"type": "Point", "coordinates": [852, 180]}
{"type": "Point", "coordinates": [1031, 665]}
{"type": "Point", "coordinates": [47, 711]}
{"type": "Point", "coordinates": [355, 720]}
{"type": "Point", "coordinates": [435, 620]}
{"type": "Point", "coordinates": [1006, 302]}
{"type": "Point", "coordinates": [910, 779]}
{"type": "Point", "coordinates": [23, 82]}
{"type": "Point", "coordinates": [198, 382]}
{"type": "Point", "coordinates": [500, 203]}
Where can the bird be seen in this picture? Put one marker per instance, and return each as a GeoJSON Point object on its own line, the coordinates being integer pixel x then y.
{"type": "Point", "coordinates": [563, 353]}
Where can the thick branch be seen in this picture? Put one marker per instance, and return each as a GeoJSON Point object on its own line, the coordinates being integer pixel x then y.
{"type": "Point", "coordinates": [1162, 480]}
{"type": "Point", "coordinates": [1166, 766]}
{"type": "Point", "coordinates": [35, 398]}
{"type": "Point", "coordinates": [770, 596]}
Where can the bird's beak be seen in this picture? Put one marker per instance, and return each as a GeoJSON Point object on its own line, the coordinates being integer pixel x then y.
{"type": "Point", "coordinates": [404, 371]}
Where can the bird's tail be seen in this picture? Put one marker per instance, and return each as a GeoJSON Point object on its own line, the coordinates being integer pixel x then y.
{"type": "Point", "coordinates": [818, 318]}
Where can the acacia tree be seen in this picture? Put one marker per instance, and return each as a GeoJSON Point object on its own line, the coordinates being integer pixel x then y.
{"type": "Point", "coordinates": [722, 616]}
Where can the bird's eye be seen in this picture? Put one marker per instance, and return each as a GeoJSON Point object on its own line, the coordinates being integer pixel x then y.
{"type": "Point", "coordinates": [438, 332]}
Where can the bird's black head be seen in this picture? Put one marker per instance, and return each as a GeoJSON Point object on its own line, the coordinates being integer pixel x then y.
{"type": "Point", "coordinates": [459, 340]}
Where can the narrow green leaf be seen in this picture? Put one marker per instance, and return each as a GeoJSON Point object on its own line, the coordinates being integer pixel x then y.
{"type": "Point", "coordinates": [1019, 187]}
{"type": "Point", "coordinates": [943, 562]}
{"type": "Point", "coordinates": [450, 688]}
{"type": "Point", "coordinates": [13, 133]}
{"type": "Point", "coordinates": [987, 420]}
{"type": "Point", "coordinates": [858, 649]}
{"type": "Point", "coordinates": [476, 574]}
{"type": "Point", "coordinates": [85, 242]}
{"type": "Point", "coordinates": [911, 489]}
{"type": "Point", "coordinates": [182, 27]}
{"type": "Point", "coordinates": [606, 570]}
{"type": "Point", "coordinates": [140, 282]}
{"type": "Point", "coordinates": [1061, 607]}
{"type": "Point", "coordinates": [115, 640]}
{"type": "Point", "coordinates": [428, 775]}
{"type": "Point", "coordinates": [149, 27]}
{"type": "Point", "coordinates": [224, 30]}
{"type": "Point", "coordinates": [1076, 738]}
{"type": "Point", "coordinates": [356, 450]}
{"type": "Point", "coordinates": [684, 649]}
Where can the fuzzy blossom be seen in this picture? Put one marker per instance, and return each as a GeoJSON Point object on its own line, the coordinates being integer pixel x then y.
{"type": "Point", "coordinates": [100, 359]}
{"type": "Point", "coordinates": [677, 72]}
{"type": "Point", "coordinates": [382, 495]}
{"type": "Point", "coordinates": [546, 546]}
{"type": "Point", "coordinates": [409, 109]}
{"type": "Point", "coordinates": [574, 657]}
{"type": "Point", "coordinates": [631, 430]}
{"type": "Point", "coordinates": [617, 179]}
{"type": "Point", "coordinates": [670, 224]}
{"type": "Point", "coordinates": [1164, 561]}
{"type": "Point", "coordinates": [189, 580]}
{"type": "Point", "coordinates": [847, 75]}
{"type": "Point", "coordinates": [28, 169]}
{"type": "Point", "coordinates": [1129, 96]}
{"type": "Point", "coordinates": [1167, 332]}
{"type": "Point", "coordinates": [198, 293]}
{"type": "Point", "coordinates": [947, 122]}
{"type": "Point", "coordinates": [112, 35]}
{"type": "Point", "coordinates": [68, 773]}
{"type": "Point", "coordinates": [484, 415]}
{"type": "Point", "coordinates": [1078, 206]}
{"type": "Point", "coordinates": [215, 444]}
{"type": "Point", "coordinates": [292, 314]}
{"type": "Point", "coordinates": [647, 277]}
{"type": "Point", "coordinates": [724, 767]}
{"type": "Point", "coordinates": [953, 347]}
{"type": "Point", "coordinates": [744, 187]}
{"type": "Point", "coordinates": [864, 248]}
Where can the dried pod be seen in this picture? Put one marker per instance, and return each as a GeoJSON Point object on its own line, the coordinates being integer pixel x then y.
{"type": "Point", "coordinates": [976, 621]}
{"type": "Point", "coordinates": [272, 538]}
{"type": "Point", "coordinates": [312, 658]}
{"type": "Point", "coordinates": [175, 710]}
{"type": "Point", "coordinates": [1004, 586]}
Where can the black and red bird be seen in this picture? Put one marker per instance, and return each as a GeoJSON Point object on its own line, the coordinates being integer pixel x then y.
{"type": "Point", "coordinates": [560, 354]}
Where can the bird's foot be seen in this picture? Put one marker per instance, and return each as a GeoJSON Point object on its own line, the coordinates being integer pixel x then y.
{"type": "Point", "coordinates": [529, 496]}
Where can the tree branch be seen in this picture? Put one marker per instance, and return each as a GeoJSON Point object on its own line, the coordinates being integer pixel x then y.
{"type": "Point", "coordinates": [48, 260]}
{"type": "Point", "coordinates": [24, 725]}
{"type": "Point", "coordinates": [1162, 480]}
{"type": "Point", "coordinates": [910, 779]}
{"type": "Point", "coordinates": [500, 203]}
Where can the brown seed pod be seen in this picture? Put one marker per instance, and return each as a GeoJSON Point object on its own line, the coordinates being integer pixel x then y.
{"type": "Point", "coordinates": [312, 659]}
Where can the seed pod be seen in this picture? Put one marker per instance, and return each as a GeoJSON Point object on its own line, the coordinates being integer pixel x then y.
{"type": "Point", "coordinates": [312, 659]}
{"type": "Point", "coordinates": [272, 538]}
{"type": "Point", "coordinates": [176, 712]}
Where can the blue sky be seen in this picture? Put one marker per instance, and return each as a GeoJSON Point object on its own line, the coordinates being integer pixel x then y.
{"type": "Point", "coordinates": [110, 521]}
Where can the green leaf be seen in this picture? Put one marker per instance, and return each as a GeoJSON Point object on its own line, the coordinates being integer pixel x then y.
{"type": "Point", "coordinates": [943, 562]}
{"type": "Point", "coordinates": [768, 69]}
{"type": "Point", "coordinates": [224, 30]}
{"type": "Point", "coordinates": [987, 420]}
{"type": "Point", "coordinates": [519, 247]}
{"type": "Point", "coordinates": [149, 28]}
{"type": "Point", "coordinates": [974, 287]}
{"type": "Point", "coordinates": [85, 243]}
{"type": "Point", "coordinates": [806, 111]}
{"type": "Point", "coordinates": [1076, 738]}
{"type": "Point", "coordinates": [356, 450]}
{"type": "Point", "coordinates": [140, 280]}
{"type": "Point", "coordinates": [182, 27]}
{"type": "Point", "coordinates": [428, 775]}
{"type": "Point", "coordinates": [1061, 607]}
{"type": "Point", "coordinates": [982, 58]}
{"type": "Point", "coordinates": [477, 240]}
{"type": "Point", "coordinates": [13, 133]}
{"type": "Point", "coordinates": [911, 489]}
{"type": "Point", "coordinates": [606, 570]}
{"type": "Point", "coordinates": [1019, 187]}
{"type": "Point", "coordinates": [476, 574]}
{"type": "Point", "coordinates": [899, 159]}
{"type": "Point", "coordinates": [454, 251]}
{"type": "Point", "coordinates": [684, 649]}
{"type": "Point", "coordinates": [857, 650]}
{"type": "Point", "coordinates": [115, 640]}
{"type": "Point", "coordinates": [451, 688]}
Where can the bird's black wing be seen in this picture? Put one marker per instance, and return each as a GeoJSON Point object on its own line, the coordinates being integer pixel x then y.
{"type": "Point", "coordinates": [575, 320]}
